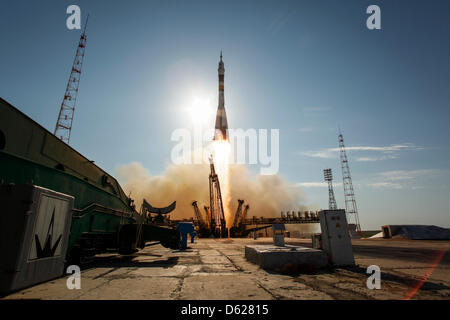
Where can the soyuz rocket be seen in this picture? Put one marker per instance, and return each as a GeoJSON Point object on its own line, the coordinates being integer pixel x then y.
{"type": "Point", "coordinates": [221, 129]}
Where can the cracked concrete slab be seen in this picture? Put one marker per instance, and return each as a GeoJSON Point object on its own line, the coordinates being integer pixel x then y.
{"type": "Point", "coordinates": [217, 269]}
{"type": "Point", "coordinates": [222, 287]}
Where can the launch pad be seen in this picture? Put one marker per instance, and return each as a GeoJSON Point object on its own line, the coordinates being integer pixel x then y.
{"type": "Point", "coordinates": [217, 269]}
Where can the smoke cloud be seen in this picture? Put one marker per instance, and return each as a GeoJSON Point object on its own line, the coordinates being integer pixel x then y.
{"type": "Point", "coordinates": [266, 195]}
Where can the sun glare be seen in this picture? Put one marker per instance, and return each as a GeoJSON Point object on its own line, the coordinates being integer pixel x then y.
{"type": "Point", "coordinates": [200, 107]}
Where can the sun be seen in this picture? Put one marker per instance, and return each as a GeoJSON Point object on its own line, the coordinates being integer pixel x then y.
{"type": "Point", "coordinates": [199, 107]}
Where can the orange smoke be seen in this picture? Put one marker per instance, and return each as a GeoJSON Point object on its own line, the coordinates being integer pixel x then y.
{"type": "Point", "coordinates": [266, 195]}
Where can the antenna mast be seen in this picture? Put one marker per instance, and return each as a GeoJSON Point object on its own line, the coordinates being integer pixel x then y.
{"type": "Point", "coordinates": [65, 119]}
{"type": "Point", "coordinates": [350, 202]}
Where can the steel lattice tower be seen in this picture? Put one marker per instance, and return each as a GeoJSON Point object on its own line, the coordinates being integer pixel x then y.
{"type": "Point", "coordinates": [65, 119]}
{"type": "Point", "coordinates": [329, 178]}
{"type": "Point", "coordinates": [218, 223]}
{"type": "Point", "coordinates": [349, 193]}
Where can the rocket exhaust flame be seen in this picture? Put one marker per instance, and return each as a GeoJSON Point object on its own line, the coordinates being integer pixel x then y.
{"type": "Point", "coordinates": [221, 149]}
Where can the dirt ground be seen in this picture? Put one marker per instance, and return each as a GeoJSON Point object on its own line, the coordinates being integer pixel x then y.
{"type": "Point", "coordinates": [217, 269]}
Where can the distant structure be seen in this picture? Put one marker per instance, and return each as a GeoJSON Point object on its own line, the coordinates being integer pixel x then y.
{"type": "Point", "coordinates": [291, 217]}
{"type": "Point", "coordinates": [64, 124]}
{"type": "Point", "coordinates": [329, 178]}
{"type": "Point", "coordinates": [239, 227]}
{"type": "Point", "coordinates": [161, 212]}
{"type": "Point", "coordinates": [238, 215]}
{"type": "Point", "coordinates": [350, 202]}
{"type": "Point", "coordinates": [203, 224]}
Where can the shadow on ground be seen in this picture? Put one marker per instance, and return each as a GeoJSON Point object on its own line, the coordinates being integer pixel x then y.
{"type": "Point", "coordinates": [124, 261]}
{"type": "Point", "coordinates": [409, 281]}
{"type": "Point", "coordinates": [408, 254]}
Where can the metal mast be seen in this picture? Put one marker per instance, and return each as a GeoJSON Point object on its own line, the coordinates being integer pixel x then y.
{"type": "Point", "coordinates": [238, 215]}
{"type": "Point", "coordinates": [64, 124]}
{"type": "Point", "coordinates": [198, 215]}
{"type": "Point", "coordinates": [331, 200]}
{"type": "Point", "coordinates": [350, 202]}
{"type": "Point", "coordinates": [218, 224]}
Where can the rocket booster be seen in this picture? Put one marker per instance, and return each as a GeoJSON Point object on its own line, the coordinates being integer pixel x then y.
{"type": "Point", "coordinates": [221, 129]}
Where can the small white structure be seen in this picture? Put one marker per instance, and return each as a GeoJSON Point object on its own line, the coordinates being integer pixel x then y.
{"type": "Point", "coordinates": [34, 227]}
{"type": "Point", "coordinates": [278, 234]}
{"type": "Point", "coordinates": [335, 237]}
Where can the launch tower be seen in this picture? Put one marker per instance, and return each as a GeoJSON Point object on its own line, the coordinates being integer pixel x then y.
{"type": "Point", "coordinates": [218, 223]}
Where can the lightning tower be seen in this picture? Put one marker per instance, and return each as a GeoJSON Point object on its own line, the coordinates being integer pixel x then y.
{"type": "Point", "coordinates": [65, 119]}
{"type": "Point", "coordinates": [349, 193]}
{"type": "Point", "coordinates": [331, 200]}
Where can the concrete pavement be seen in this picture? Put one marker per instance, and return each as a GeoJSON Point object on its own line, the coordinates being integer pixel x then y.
{"type": "Point", "coordinates": [217, 269]}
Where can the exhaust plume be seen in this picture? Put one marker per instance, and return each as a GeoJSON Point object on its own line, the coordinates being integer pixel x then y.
{"type": "Point", "coordinates": [267, 195]}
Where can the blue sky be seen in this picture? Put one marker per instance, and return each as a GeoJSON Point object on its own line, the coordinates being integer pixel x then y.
{"type": "Point", "coordinates": [304, 67]}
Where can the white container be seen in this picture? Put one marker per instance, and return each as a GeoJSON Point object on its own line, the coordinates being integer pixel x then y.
{"type": "Point", "coordinates": [336, 240]}
{"type": "Point", "coordinates": [34, 233]}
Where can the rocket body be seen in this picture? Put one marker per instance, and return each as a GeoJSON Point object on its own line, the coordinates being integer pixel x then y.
{"type": "Point", "coordinates": [221, 128]}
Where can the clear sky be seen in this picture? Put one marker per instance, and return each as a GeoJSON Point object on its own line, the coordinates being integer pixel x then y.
{"type": "Point", "coordinates": [304, 67]}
